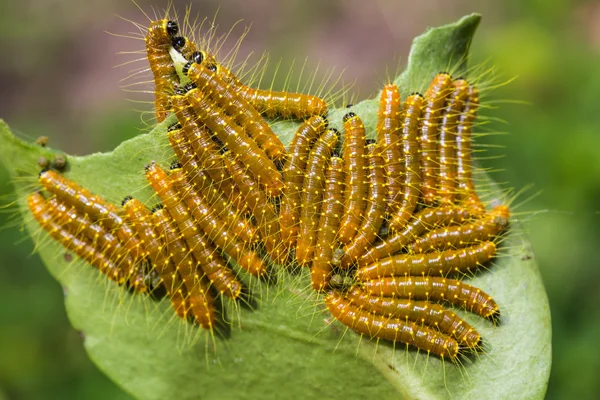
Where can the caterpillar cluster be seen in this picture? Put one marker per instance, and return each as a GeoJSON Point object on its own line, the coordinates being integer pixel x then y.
{"type": "Point", "coordinates": [388, 227]}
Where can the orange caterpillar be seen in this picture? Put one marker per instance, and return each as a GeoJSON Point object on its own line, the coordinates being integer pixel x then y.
{"type": "Point", "coordinates": [245, 115]}
{"type": "Point", "coordinates": [97, 208]}
{"type": "Point", "coordinates": [452, 291]}
{"type": "Point", "coordinates": [411, 184]}
{"type": "Point", "coordinates": [158, 42]}
{"type": "Point", "coordinates": [329, 224]}
{"type": "Point", "coordinates": [236, 140]}
{"type": "Point", "coordinates": [356, 185]}
{"type": "Point", "coordinates": [374, 214]}
{"type": "Point", "coordinates": [214, 228]}
{"type": "Point", "coordinates": [312, 195]}
{"type": "Point", "coordinates": [263, 211]}
{"type": "Point", "coordinates": [453, 237]}
{"type": "Point", "coordinates": [447, 146]}
{"type": "Point", "coordinates": [241, 227]}
{"type": "Point", "coordinates": [390, 328]}
{"type": "Point", "coordinates": [206, 151]}
{"type": "Point", "coordinates": [435, 98]}
{"type": "Point", "coordinates": [427, 219]}
{"type": "Point", "coordinates": [388, 137]}
{"type": "Point", "coordinates": [200, 300]}
{"type": "Point", "coordinates": [437, 263]}
{"type": "Point", "coordinates": [42, 212]}
{"type": "Point", "coordinates": [466, 188]}
{"type": "Point", "coordinates": [432, 315]}
{"type": "Point", "coordinates": [275, 103]}
{"type": "Point", "coordinates": [211, 262]}
{"type": "Point", "coordinates": [293, 177]}
{"type": "Point", "coordinates": [141, 220]}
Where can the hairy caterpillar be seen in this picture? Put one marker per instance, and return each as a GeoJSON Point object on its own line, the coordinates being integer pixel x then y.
{"type": "Point", "coordinates": [447, 145]}
{"type": "Point", "coordinates": [312, 195]}
{"type": "Point", "coordinates": [206, 151]}
{"type": "Point", "coordinates": [452, 237]}
{"type": "Point", "coordinates": [264, 211]}
{"type": "Point", "coordinates": [141, 220]}
{"type": "Point", "coordinates": [356, 185]}
{"type": "Point", "coordinates": [241, 227]}
{"type": "Point", "coordinates": [390, 328]}
{"type": "Point", "coordinates": [213, 265]}
{"type": "Point", "coordinates": [433, 315]}
{"type": "Point", "coordinates": [464, 173]}
{"type": "Point", "coordinates": [329, 224]}
{"type": "Point", "coordinates": [198, 295]}
{"type": "Point", "coordinates": [427, 219]}
{"type": "Point", "coordinates": [40, 209]}
{"type": "Point", "coordinates": [213, 227]}
{"type": "Point", "coordinates": [158, 42]}
{"type": "Point", "coordinates": [293, 177]}
{"type": "Point", "coordinates": [452, 291]}
{"type": "Point", "coordinates": [236, 140]}
{"type": "Point", "coordinates": [374, 213]}
{"type": "Point", "coordinates": [225, 95]}
{"type": "Point", "coordinates": [97, 208]}
{"type": "Point", "coordinates": [411, 183]}
{"type": "Point", "coordinates": [437, 263]}
{"type": "Point", "coordinates": [388, 137]}
{"type": "Point", "coordinates": [435, 98]}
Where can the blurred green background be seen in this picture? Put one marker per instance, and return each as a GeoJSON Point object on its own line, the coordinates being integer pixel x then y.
{"type": "Point", "coordinates": [58, 78]}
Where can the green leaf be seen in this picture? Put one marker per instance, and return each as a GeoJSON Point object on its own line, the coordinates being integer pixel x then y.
{"type": "Point", "coordinates": [287, 347]}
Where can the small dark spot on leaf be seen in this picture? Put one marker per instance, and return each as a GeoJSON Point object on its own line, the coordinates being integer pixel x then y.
{"type": "Point", "coordinates": [68, 257]}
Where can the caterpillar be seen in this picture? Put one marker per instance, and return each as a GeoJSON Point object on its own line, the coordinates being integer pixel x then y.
{"type": "Point", "coordinates": [206, 151]}
{"type": "Point", "coordinates": [235, 139]}
{"type": "Point", "coordinates": [213, 265]}
{"type": "Point", "coordinates": [241, 227]}
{"type": "Point", "coordinates": [329, 224]}
{"type": "Point", "coordinates": [452, 237]}
{"type": "Point", "coordinates": [312, 195]}
{"type": "Point", "coordinates": [268, 102]}
{"type": "Point", "coordinates": [214, 228]}
{"type": "Point", "coordinates": [264, 211]}
{"type": "Point", "coordinates": [293, 177]}
{"type": "Point", "coordinates": [374, 214]}
{"type": "Point", "coordinates": [227, 97]}
{"type": "Point", "coordinates": [388, 136]}
{"type": "Point", "coordinates": [158, 42]}
{"type": "Point", "coordinates": [411, 183]}
{"type": "Point", "coordinates": [356, 185]}
{"type": "Point", "coordinates": [199, 298]}
{"type": "Point", "coordinates": [447, 145]}
{"type": "Point", "coordinates": [40, 210]}
{"type": "Point", "coordinates": [390, 328]}
{"type": "Point", "coordinates": [273, 103]}
{"type": "Point", "coordinates": [433, 315]}
{"type": "Point", "coordinates": [427, 219]}
{"type": "Point", "coordinates": [437, 263]}
{"type": "Point", "coordinates": [464, 175]}
{"type": "Point", "coordinates": [69, 218]}
{"type": "Point", "coordinates": [141, 220]}
{"type": "Point", "coordinates": [435, 98]}
{"type": "Point", "coordinates": [97, 208]}
{"type": "Point", "coordinates": [428, 288]}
